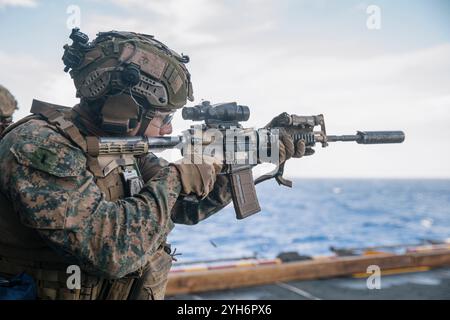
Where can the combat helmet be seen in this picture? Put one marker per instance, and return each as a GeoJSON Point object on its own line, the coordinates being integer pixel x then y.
{"type": "Point", "coordinates": [129, 75]}
{"type": "Point", "coordinates": [8, 105]}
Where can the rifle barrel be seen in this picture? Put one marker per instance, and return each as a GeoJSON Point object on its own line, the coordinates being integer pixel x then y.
{"type": "Point", "coordinates": [371, 137]}
{"type": "Point", "coordinates": [164, 142]}
{"type": "Point", "coordinates": [349, 137]}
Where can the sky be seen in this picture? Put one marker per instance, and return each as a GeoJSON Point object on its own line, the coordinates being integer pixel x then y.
{"type": "Point", "coordinates": [302, 57]}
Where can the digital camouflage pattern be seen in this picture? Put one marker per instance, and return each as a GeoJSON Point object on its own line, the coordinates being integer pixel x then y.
{"type": "Point", "coordinates": [46, 179]}
{"type": "Point", "coordinates": [75, 203]}
{"type": "Point", "coordinates": [186, 212]}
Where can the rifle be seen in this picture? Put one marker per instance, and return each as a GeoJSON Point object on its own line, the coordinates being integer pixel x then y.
{"type": "Point", "coordinates": [240, 149]}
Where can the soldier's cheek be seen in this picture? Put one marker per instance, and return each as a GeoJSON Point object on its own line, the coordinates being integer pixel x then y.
{"type": "Point", "coordinates": [167, 129]}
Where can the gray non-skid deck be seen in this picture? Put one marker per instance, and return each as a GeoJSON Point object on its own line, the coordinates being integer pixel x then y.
{"type": "Point", "coordinates": [433, 284]}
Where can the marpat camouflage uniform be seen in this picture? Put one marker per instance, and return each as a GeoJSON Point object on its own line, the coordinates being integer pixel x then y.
{"type": "Point", "coordinates": [46, 178]}
{"type": "Point", "coordinates": [62, 206]}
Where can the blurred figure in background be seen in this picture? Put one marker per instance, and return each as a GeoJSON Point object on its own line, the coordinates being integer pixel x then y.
{"type": "Point", "coordinates": [8, 105]}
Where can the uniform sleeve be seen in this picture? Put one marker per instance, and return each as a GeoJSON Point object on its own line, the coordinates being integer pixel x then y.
{"type": "Point", "coordinates": [185, 211]}
{"type": "Point", "coordinates": [55, 194]}
{"type": "Point", "coordinates": [189, 212]}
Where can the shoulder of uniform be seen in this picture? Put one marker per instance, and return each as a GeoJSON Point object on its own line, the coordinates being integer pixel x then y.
{"type": "Point", "coordinates": [38, 144]}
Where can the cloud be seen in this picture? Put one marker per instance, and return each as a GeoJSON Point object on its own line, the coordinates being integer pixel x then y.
{"type": "Point", "coordinates": [18, 3]}
{"type": "Point", "coordinates": [239, 52]}
{"type": "Point", "coordinates": [396, 91]}
{"type": "Point", "coordinates": [189, 24]}
{"type": "Point", "coordinates": [28, 78]}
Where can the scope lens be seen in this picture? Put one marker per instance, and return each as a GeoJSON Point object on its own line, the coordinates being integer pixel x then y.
{"type": "Point", "coordinates": [187, 113]}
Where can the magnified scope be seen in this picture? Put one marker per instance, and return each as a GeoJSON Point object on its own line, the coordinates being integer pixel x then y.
{"type": "Point", "coordinates": [229, 111]}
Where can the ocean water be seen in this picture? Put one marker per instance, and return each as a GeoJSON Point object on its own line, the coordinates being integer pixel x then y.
{"type": "Point", "coordinates": [318, 213]}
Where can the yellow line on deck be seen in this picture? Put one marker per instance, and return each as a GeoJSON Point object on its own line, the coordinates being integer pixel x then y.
{"type": "Point", "coordinates": [388, 272]}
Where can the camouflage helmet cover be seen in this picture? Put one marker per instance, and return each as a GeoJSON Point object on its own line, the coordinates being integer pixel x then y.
{"type": "Point", "coordinates": [132, 63]}
{"type": "Point", "coordinates": [8, 103]}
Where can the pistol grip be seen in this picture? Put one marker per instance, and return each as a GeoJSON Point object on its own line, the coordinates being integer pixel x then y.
{"type": "Point", "coordinates": [243, 193]}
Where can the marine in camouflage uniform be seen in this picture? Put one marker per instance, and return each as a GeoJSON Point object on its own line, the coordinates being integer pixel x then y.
{"type": "Point", "coordinates": [65, 207]}
{"type": "Point", "coordinates": [8, 105]}
{"type": "Point", "coordinates": [110, 215]}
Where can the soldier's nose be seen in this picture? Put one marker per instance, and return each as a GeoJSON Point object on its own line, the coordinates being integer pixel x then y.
{"type": "Point", "coordinates": [166, 129]}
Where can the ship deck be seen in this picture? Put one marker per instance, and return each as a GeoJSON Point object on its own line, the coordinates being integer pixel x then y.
{"type": "Point", "coordinates": [431, 284]}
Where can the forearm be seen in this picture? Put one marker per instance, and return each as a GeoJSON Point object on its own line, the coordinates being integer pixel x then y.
{"type": "Point", "coordinates": [184, 211]}
{"type": "Point", "coordinates": [108, 238]}
{"type": "Point", "coordinates": [187, 212]}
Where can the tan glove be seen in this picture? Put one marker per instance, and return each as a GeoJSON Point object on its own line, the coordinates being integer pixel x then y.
{"type": "Point", "coordinates": [289, 150]}
{"type": "Point", "coordinates": [198, 177]}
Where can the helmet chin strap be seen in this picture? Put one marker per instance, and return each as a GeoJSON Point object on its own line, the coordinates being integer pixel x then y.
{"type": "Point", "coordinates": [146, 118]}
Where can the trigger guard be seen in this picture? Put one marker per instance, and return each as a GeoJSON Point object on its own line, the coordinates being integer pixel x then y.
{"type": "Point", "coordinates": [282, 181]}
{"type": "Point", "coordinates": [278, 175]}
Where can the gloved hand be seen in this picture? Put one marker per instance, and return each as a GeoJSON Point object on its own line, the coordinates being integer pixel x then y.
{"type": "Point", "coordinates": [287, 147]}
{"type": "Point", "coordinates": [198, 177]}
{"type": "Point", "coordinates": [290, 150]}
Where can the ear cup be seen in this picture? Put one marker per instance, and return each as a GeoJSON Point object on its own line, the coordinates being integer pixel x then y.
{"type": "Point", "coordinates": [131, 75]}
{"type": "Point", "coordinates": [119, 114]}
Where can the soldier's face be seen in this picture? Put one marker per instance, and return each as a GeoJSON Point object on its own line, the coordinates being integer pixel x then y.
{"type": "Point", "coordinates": [159, 126]}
